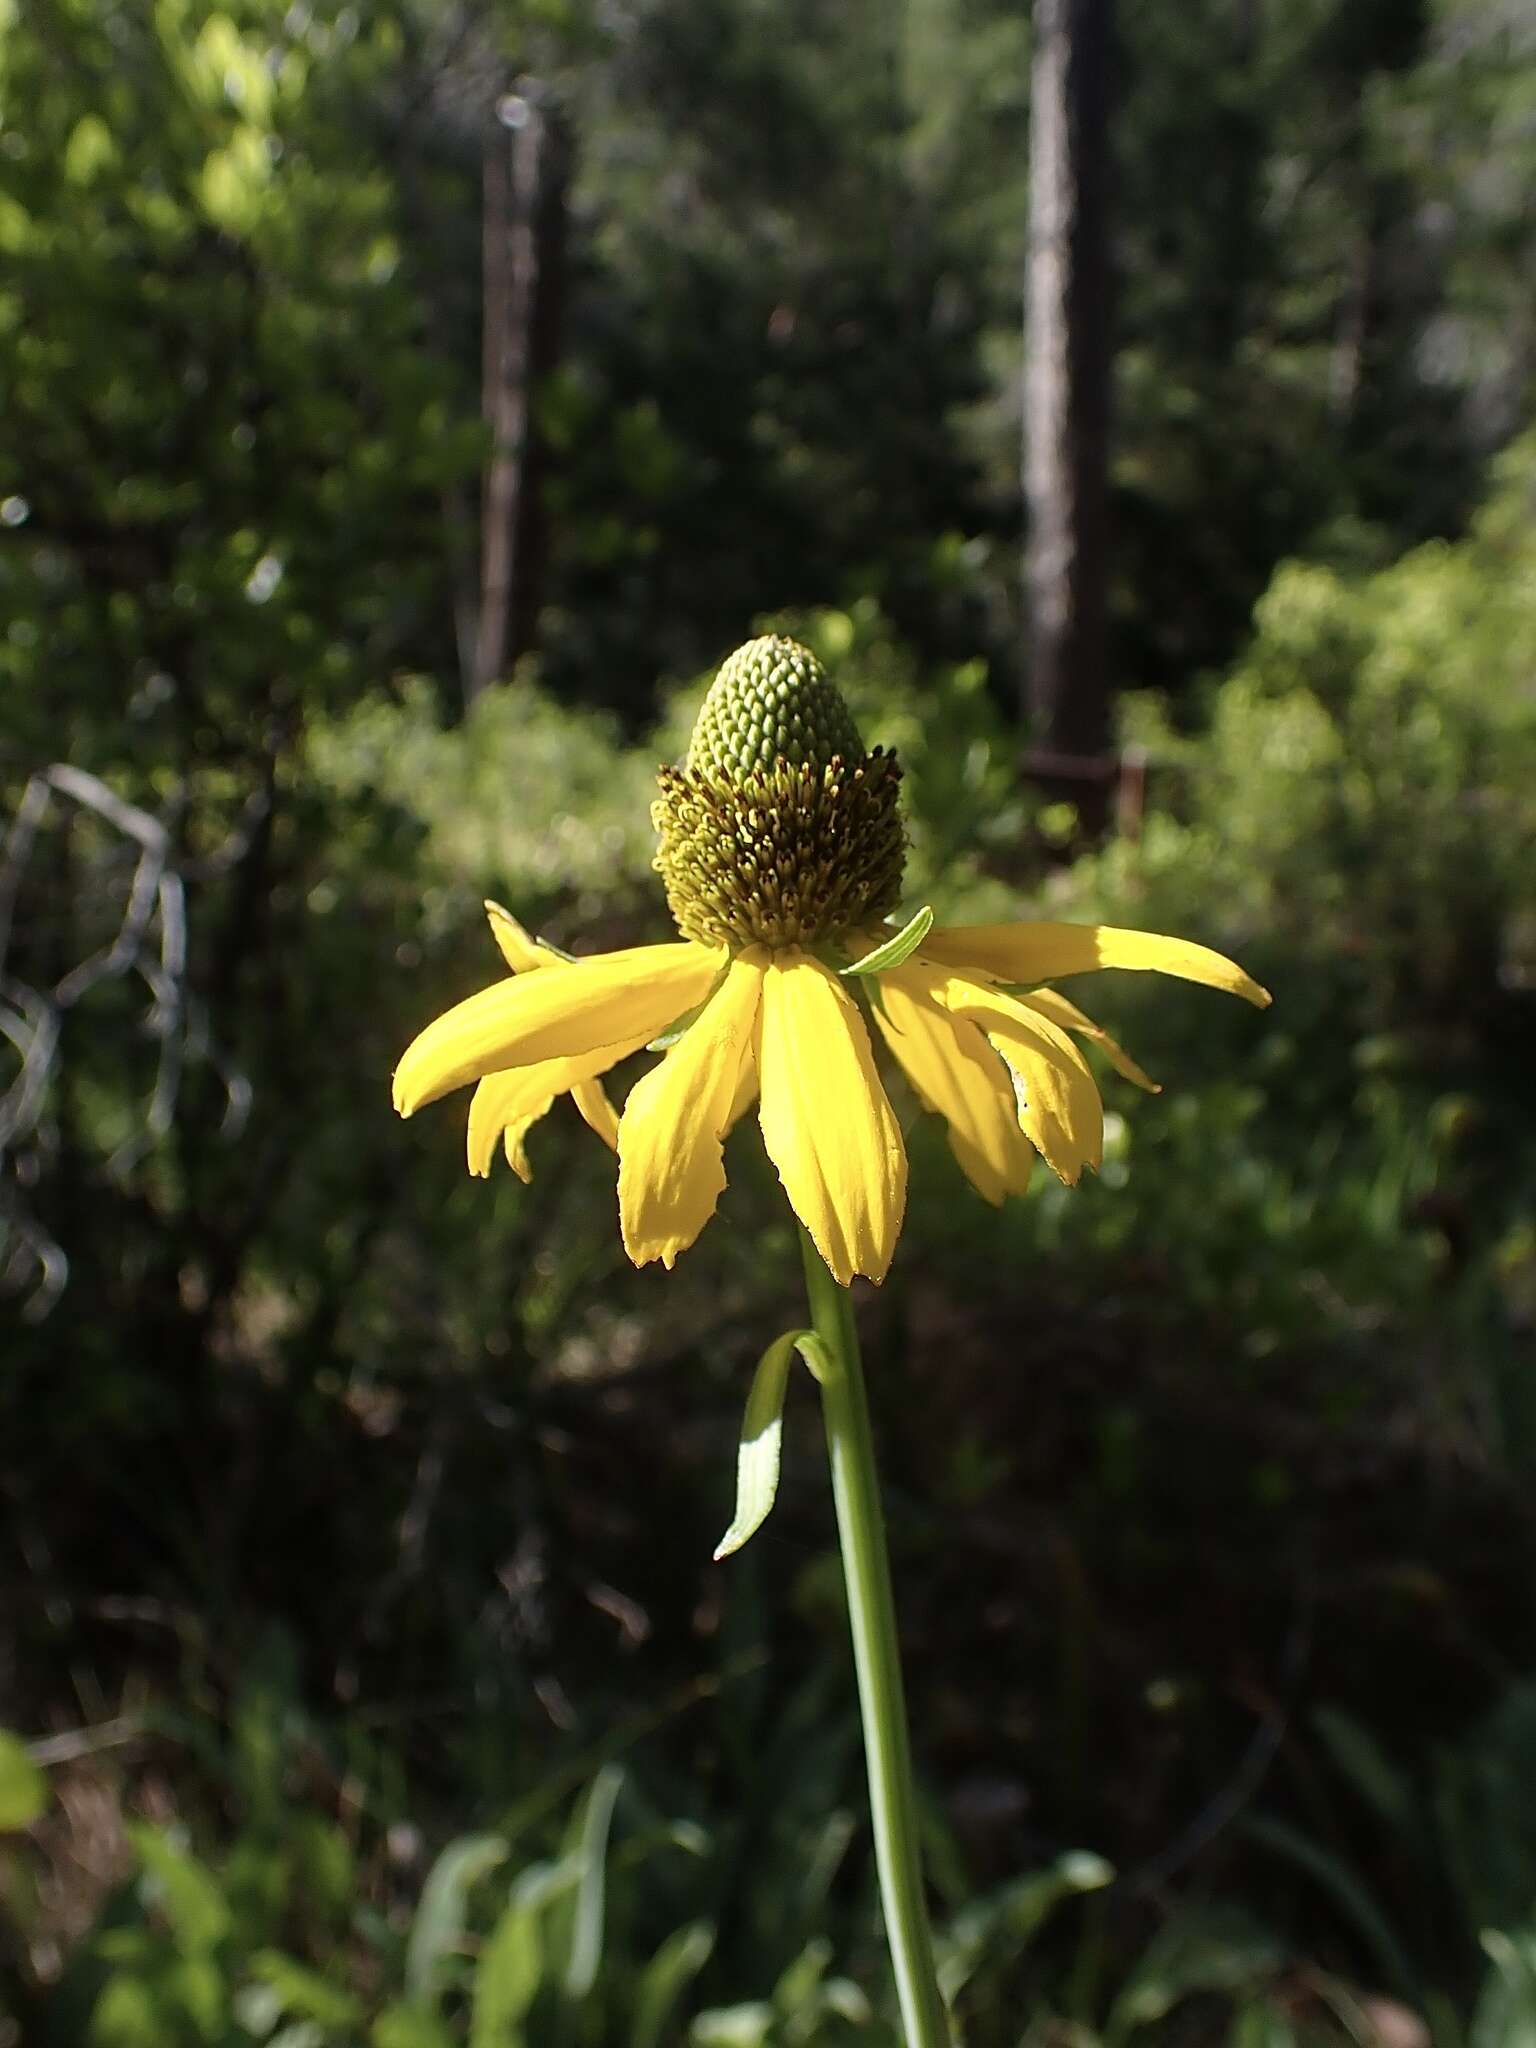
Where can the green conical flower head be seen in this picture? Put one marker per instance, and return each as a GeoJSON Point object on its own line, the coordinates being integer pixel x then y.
{"type": "Point", "coordinates": [781, 830]}
{"type": "Point", "coordinates": [771, 701]}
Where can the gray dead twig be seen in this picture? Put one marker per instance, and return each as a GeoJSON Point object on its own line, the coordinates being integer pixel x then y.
{"type": "Point", "coordinates": [149, 944]}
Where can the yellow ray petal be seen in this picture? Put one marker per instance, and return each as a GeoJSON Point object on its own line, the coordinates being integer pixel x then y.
{"type": "Point", "coordinates": [1060, 1011]}
{"type": "Point", "coordinates": [505, 1106]}
{"type": "Point", "coordinates": [1031, 953]}
{"type": "Point", "coordinates": [746, 1085]}
{"type": "Point", "coordinates": [514, 1100]}
{"type": "Point", "coordinates": [522, 953]}
{"type": "Point", "coordinates": [826, 1122]}
{"type": "Point", "coordinates": [1060, 1111]}
{"type": "Point", "coordinates": [958, 1075]}
{"type": "Point", "coordinates": [674, 1123]}
{"type": "Point", "coordinates": [609, 999]}
{"type": "Point", "coordinates": [519, 948]}
{"type": "Point", "coordinates": [508, 1103]}
{"type": "Point", "coordinates": [591, 1098]}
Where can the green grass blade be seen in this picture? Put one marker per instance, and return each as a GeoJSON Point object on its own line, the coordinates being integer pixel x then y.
{"type": "Point", "coordinates": [439, 1924]}
{"type": "Point", "coordinates": [586, 1952]}
{"type": "Point", "coordinates": [507, 1980]}
{"type": "Point", "coordinates": [665, 1978]}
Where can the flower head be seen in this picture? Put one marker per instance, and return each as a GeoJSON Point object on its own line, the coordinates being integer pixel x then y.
{"type": "Point", "coordinates": [781, 849]}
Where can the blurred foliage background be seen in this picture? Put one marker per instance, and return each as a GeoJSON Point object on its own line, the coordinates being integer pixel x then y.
{"type": "Point", "coordinates": [368, 1678]}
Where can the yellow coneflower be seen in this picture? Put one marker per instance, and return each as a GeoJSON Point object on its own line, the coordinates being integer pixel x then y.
{"type": "Point", "coordinates": [781, 852]}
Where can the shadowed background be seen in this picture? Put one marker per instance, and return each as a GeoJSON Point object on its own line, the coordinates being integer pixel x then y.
{"type": "Point", "coordinates": [406, 406]}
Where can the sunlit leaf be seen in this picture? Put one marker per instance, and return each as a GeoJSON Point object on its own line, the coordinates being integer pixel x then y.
{"type": "Point", "coordinates": [665, 1978]}
{"type": "Point", "coordinates": [304, 1992]}
{"type": "Point", "coordinates": [438, 1927]}
{"type": "Point", "coordinates": [507, 1978]}
{"type": "Point", "coordinates": [762, 1431]}
{"type": "Point", "coordinates": [595, 1819]}
{"type": "Point", "coordinates": [189, 1893]}
{"type": "Point", "coordinates": [23, 1788]}
{"type": "Point", "coordinates": [900, 946]}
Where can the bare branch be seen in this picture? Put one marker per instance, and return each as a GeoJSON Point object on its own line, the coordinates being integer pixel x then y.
{"type": "Point", "coordinates": [149, 944]}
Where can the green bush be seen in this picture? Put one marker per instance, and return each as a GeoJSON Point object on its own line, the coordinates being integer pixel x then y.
{"type": "Point", "coordinates": [1354, 819]}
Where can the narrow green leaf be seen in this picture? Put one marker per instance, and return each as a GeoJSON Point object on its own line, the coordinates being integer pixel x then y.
{"type": "Point", "coordinates": [1506, 2007]}
{"type": "Point", "coordinates": [410, 2026]}
{"type": "Point", "coordinates": [1261, 2025]}
{"type": "Point", "coordinates": [323, 1866]}
{"type": "Point", "coordinates": [129, 2012]}
{"type": "Point", "coordinates": [198, 1985]}
{"type": "Point", "coordinates": [23, 1788]}
{"type": "Point", "coordinates": [1353, 1898]}
{"type": "Point", "coordinates": [796, 1995]}
{"type": "Point", "coordinates": [302, 2034]}
{"type": "Point", "coordinates": [303, 1993]}
{"type": "Point", "coordinates": [592, 1886]}
{"type": "Point", "coordinates": [665, 1978]}
{"type": "Point", "coordinates": [762, 1431]}
{"type": "Point", "coordinates": [439, 1923]}
{"type": "Point", "coordinates": [677, 1028]}
{"type": "Point", "coordinates": [549, 946]}
{"type": "Point", "coordinates": [195, 1906]}
{"type": "Point", "coordinates": [842, 1996]}
{"type": "Point", "coordinates": [1203, 1949]}
{"type": "Point", "coordinates": [541, 1882]}
{"type": "Point", "coordinates": [507, 1980]}
{"type": "Point", "coordinates": [1000, 1926]}
{"type": "Point", "coordinates": [733, 2026]}
{"type": "Point", "coordinates": [900, 946]}
{"type": "Point", "coordinates": [825, 1852]}
{"type": "Point", "coordinates": [1371, 1772]}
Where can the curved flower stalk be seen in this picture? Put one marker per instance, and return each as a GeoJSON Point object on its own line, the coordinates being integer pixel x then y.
{"type": "Point", "coordinates": [781, 848]}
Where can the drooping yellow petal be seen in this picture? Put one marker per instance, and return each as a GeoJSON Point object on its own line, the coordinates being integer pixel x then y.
{"type": "Point", "coordinates": [958, 1075]}
{"type": "Point", "coordinates": [1061, 1113]}
{"type": "Point", "coordinates": [746, 1086]}
{"type": "Point", "coordinates": [591, 1098]}
{"type": "Point", "coordinates": [1059, 1107]}
{"type": "Point", "coordinates": [608, 999]}
{"type": "Point", "coordinates": [522, 953]}
{"type": "Point", "coordinates": [1050, 1004]}
{"type": "Point", "coordinates": [826, 1122]}
{"type": "Point", "coordinates": [506, 1104]}
{"type": "Point", "coordinates": [1029, 953]}
{"type": "Point", "coordinates": [674, 1123]}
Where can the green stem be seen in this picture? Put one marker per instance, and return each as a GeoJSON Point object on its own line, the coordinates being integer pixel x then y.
{"type": "Point", "coordinates": [872, 1619]}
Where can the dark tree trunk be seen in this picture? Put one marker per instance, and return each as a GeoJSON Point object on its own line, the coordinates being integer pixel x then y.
{"type": "Point", "coordinates": [527, 176]}
{"type": "Point", "coordinates": [1066, 400]}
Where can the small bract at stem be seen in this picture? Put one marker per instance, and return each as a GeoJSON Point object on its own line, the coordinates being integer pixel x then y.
{"type": "Point", "coordinates": [872, 1623]}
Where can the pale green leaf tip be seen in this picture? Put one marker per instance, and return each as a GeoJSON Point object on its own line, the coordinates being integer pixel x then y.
{"type": "Point", "coordinates": [757, 1457]}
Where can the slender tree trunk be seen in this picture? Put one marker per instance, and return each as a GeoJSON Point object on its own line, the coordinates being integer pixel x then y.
{"type": "Point", "coordinates": [1354, 318]}
{"type": "Point", "coordinates": [527, 170]}
{"type": "Point", "coordinates": [1066, 400]}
